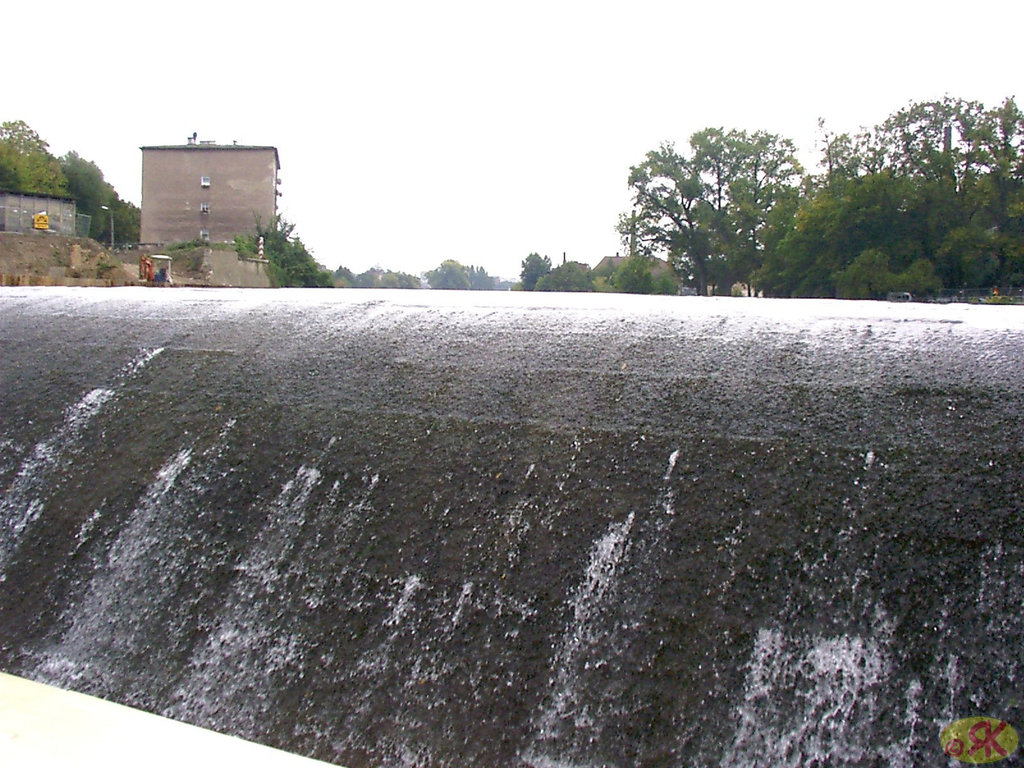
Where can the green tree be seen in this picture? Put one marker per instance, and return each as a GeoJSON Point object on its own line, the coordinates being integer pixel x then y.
{"type": "Point", "coordinates": [291, 265]}
{"type": "Point", "coordinates": [810, 253]}
{"type": "Point", "coordinates": [634, 276]}
{"type": "Point", "coordinates": [969, 258]}
{"type": "Point", "coordinates": [867, 277]}
{"type": "Point", "coordinates": [919, 279]}
{"type": "Point", "coordinates": [369, 279]}
{"type": "Point", "coordinates": [835, 225]}
{"type": "Point", "coordinates": [449, 276]}
{"type": "Point", "coordinates": [717, 158]}
{"type": "Point", "coordinates": [571, 277]}
{"type": "Point", "coordinates": [9, 175]}
{"type": "Point", "coordinates": [344, 278]}
{"type": "Point", "coordinates": [669, 215]}
{"type": "Point", "coordinates": [479, 280]}
{"type": "Point", "coordinates": [375, 277]}
{"type": "Point", "coordinates": [840, 156]}
{"type": "Point", "coordinates": [127, 221]}
{"type": "Point", "coordinates": [1000, 192]}
{"type": "Point", "coordinates": [710, 212]}
{"type": "Point", "coordinates": [932, 197]}
{"type": "Point", "coordinates": [26, 164]}
{"type": "Point", "coordinates": [404, 280]}
{"type": "Point", "coordinates": [85, 183]}
{"type": "Point", "coordinates": [935, 141]}
{"type": "Point", "coordinates": [765, 177]}
{"type": "Point", "coordinates": [534, 268]}
{"type": "Point", "coordinates": [939, 183]}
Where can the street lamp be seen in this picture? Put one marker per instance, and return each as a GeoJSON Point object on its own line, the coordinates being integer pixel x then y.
{"type": "Point", "coordinates": [108, 208]}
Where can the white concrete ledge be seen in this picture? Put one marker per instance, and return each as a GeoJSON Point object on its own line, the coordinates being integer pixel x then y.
{"type": "Point", "coordinates": [44, 726]}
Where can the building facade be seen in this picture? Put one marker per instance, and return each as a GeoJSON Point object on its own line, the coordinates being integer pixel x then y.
{"type": "Point", "coordinates": [207, 191]}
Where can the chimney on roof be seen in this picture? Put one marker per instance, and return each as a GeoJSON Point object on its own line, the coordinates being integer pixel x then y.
{"type": "Point", "coordinates": [192, 138]}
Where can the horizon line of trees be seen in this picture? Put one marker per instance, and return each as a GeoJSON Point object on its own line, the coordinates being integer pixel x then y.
{"type": "Point", "coordinates": [450, 275]}
{"type": "Point", "coordinates": [930, 200]}
{"type": "Point", "coordinates": [632, 274]}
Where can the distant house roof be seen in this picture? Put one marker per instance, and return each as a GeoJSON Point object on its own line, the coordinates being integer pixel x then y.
{"type": "Point", "coordinates": [199, 146]}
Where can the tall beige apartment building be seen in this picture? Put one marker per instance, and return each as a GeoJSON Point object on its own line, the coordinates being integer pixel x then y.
{"type": "Point", "coordinates": [202, 190]}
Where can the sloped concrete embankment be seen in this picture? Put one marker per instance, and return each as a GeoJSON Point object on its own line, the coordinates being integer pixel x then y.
{"type": "Point", "coordinates": [390, 529]}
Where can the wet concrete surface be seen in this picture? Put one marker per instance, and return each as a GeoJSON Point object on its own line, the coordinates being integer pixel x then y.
{"type": "Point", "coordinates": [429, 528]}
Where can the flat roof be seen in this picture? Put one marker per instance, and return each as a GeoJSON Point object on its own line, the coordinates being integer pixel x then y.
{"type": "Point", "coordinates": [207, 146]}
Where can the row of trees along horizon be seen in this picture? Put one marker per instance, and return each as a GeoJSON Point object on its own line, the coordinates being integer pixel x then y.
{"type": "Point", "coordinates": [930, 200]}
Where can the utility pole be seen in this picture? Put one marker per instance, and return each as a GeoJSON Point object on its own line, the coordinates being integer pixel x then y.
{"type": "Point", "coordinates": [108, 208]}
{"type": "Point", "coordinates": [632, 234]}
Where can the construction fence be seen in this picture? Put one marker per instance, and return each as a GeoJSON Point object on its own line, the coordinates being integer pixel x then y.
{"type": "Point", "coordinates": [993, 295]}
{"type": "Point", "coordinates": [20, 212]}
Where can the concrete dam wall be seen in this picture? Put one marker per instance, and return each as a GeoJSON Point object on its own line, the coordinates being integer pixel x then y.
{"type": "Point", "coordinates": [441, 529]}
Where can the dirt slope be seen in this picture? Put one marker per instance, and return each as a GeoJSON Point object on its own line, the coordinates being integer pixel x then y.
{"type": "Point", "coordinates": [48, 259]}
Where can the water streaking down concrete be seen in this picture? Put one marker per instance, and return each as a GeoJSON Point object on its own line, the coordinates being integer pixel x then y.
{"type": "Point", "coordinates": [450, 529]}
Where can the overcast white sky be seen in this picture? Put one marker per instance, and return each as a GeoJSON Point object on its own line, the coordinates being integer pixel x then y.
{"type": "Point", "coordinates": [412, 132]}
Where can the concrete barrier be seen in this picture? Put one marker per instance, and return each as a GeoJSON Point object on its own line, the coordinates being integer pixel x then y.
{"type": "Point", "coordinates": [228, 269]}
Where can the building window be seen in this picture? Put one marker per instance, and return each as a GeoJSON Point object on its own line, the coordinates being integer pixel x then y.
{"type": "Point", "coordinates": [204, 234]}
{"type": "Point", "coordinates": [204, 207]}
{"type": "Point", "coordinates": [204, 181]}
